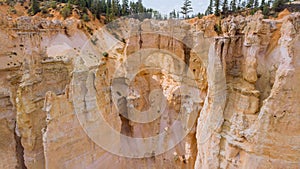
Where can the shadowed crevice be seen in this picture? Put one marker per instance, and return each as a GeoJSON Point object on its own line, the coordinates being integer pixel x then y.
{"type": "Point", "coordinates": [19, 152]}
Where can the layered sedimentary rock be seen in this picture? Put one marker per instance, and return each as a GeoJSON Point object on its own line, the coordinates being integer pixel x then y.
{"type": "Point", "coordinates": [233, 96]}
{"type": "Point", "coordinates": [256, 125]}
{"type": "Point", "coordinates": [28, 70]}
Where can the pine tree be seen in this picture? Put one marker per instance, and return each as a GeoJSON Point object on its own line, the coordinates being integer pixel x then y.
{"type": "Point", "coordinates": [113, 10]}
{"type": "Point", "coordinates": [108, 10]}
{"type": "Point", "coordinates": [209, 9]}
{"type": "Point", "coordinates": [66, 10]}
{"type": "Point", "coordinates": [239, 5]}
{"type": "Point", "coordinates": [186, 8]}
{"type": "Point", "coordinates": [117, 7]}
{"type": "Point", "coordinates": [250, 4]}
{"type": "Point", "coordinates": [256, 4]}
{"type": "Point", "coordinates": [266, 9]}
{"type": "Point", "coordinates": [262, 4]}
{"type": "Point", "coordinates": [149, 13]}
{"type": "Point", "coordinates": [133, 8]}
{"type": "Point", "coordinates": [35, 7]}
{"type": "Point", "coordinates": [140, 6]}
{"type": "Point", "coordinates": [88, 3]}
{"type": "Point", "coordinates": [95, 8]}
{"type": "Point", "coordinates": [243, 5]}
{"type": "Point", "coordinates": [233, 5]}
{"type": "Point", "coordinates": [277, 5]}
{"type": "Point", "coordinates": [173, 14]}
{"type": "Point", "coordinates": [200, 15]}
{"type": "Point", "coordinates": [82, 4]}
{"type": "Point", "coordinates": [125, 8]}
{"type": "Point", "coordinates": [103, 6]}
{"type": "Point", "coordinates": [157, 15]}
{"type": "Point", "coordinates": [217, 7]}
{"type": "Point", "coordinates": [225, 7]}
{"type": "Point", "coordinates": [108, 5]}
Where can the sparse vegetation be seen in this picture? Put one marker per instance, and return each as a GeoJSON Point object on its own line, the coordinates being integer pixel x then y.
{"type": "Point", "coordinates": [85, 18]}
{"type": "Point", "coordinates": [109, 10]}
{"type": "Point", "coordinates": [105, 54]}
{"type": "Point", "coordinates": [100, 9]}
{"type": "Point", "coordinates": [66, 11]}
{"type": "Point", "coordinates": [53, 4]}
{"type": "Point", "coordinates": [218, 28]}
{"type": "Point", "coordinates": [250, 6]}
{"type": "Point", "coordinates": [12, 10]}
{"type": "Point", "coordinates": [34, 7]}
{"type": "Point", "coordinates": [200, 15]}
{"type": "Point", "coordinates": [278, 4]}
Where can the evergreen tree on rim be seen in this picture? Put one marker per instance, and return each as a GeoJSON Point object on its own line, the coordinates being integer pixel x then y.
{"type": "Point", "coordinates": [225, 7]}
{"type": "Point", "coordinates": [277, 5]}
{"type": "Point", "coordinates": [217, 7]}
{"type": "Point", "coordinates": [209, 9]}
{"type": "Point", "coordinates": [140, 6]}
{"type": "Point", "coordinates": [262, 4]}
{"type": "Point", "coordinates": [250, 4]}
{"type": "Point", "coordinates": [186, 8]}
{"type": "Point", "coordinates": [233, 5]}
{"type": "Point", "coordinates": [125, 8]}
{"type": "Point", "coordinates": [35, 7]}
{"type": "Point", "coordinates": [256, 4]}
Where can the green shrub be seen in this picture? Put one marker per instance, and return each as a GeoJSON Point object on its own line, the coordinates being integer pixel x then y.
{"type": "Point", "coordinates": [35, 7]}
{"type": "Point", "coordinates": [21, 2]}
{"type": "Point", "coordinates": [90, 30]}
{"type": "Point", "coordinates": [85, 18]}
{"type": "Point", "coordinates": [200, 15]}
{"type": "Point", "coordinates": [266, 11]}
{"type": "Point", "coordinates": [65, 11]}
{"type": "Point", "coordinates": [44, 10]}
{"type": "Point", "coordinates": [94, 41]}
{"type": "Point", "coordinates": [218, 29]}
{"type": "Point", "coordinates": [10, 2]}
{"type": "Point", "coordinates": [105, 54]}
{"type": "Point", "coordinates": [53, 4]}
{"type": "Point", "coordinates": [12, 10]}
{"type": "Point", "coordinates": [252, 12]}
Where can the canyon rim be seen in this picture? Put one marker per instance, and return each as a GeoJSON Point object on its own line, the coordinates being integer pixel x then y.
{"type": "Point", "coordinates": [150, 93]}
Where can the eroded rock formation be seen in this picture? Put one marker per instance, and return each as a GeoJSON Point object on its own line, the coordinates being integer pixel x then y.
{"type": "Point", "coordinates": [258, 116]}
{"type": "Point", "coordinates": [241, 88]}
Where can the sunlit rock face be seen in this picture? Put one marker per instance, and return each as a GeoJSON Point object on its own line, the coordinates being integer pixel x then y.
{"type": "Point", "coordinates": [147, 87]}
{"type": "Point", "coordinates": [150, 94]}
{"type": "Point", "coordinates": [256, 125]}
{"type": "Point", "coordinates": [27, 73]}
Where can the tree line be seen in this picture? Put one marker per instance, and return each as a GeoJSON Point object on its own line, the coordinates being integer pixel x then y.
{"type": "Point", "coordinates": [225, 7]}
{"type": "Point", "coordinates": [109, 9]}
{"type": "Point", "coordinates": [112, 9]}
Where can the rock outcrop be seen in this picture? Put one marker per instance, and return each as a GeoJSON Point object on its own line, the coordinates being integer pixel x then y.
{"type": "Point", "coordinates": [72, 100]}
{"type": "Point", "coordinates": [256, 125]}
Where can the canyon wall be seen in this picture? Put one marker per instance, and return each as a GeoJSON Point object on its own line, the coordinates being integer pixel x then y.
{"type": "Point", "coordinates": [75, 99]}
{"type": "Point", "coordinates": [250, 117]}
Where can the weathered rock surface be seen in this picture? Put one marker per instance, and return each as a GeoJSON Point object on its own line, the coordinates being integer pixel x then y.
{"type": "Point", "coordinates": [257, 124]}
{"type": "Point", "coordinates": [241, 87]}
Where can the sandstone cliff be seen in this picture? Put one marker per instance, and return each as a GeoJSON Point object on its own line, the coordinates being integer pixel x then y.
{"type": "Point", "coordinates": [237, 92]}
